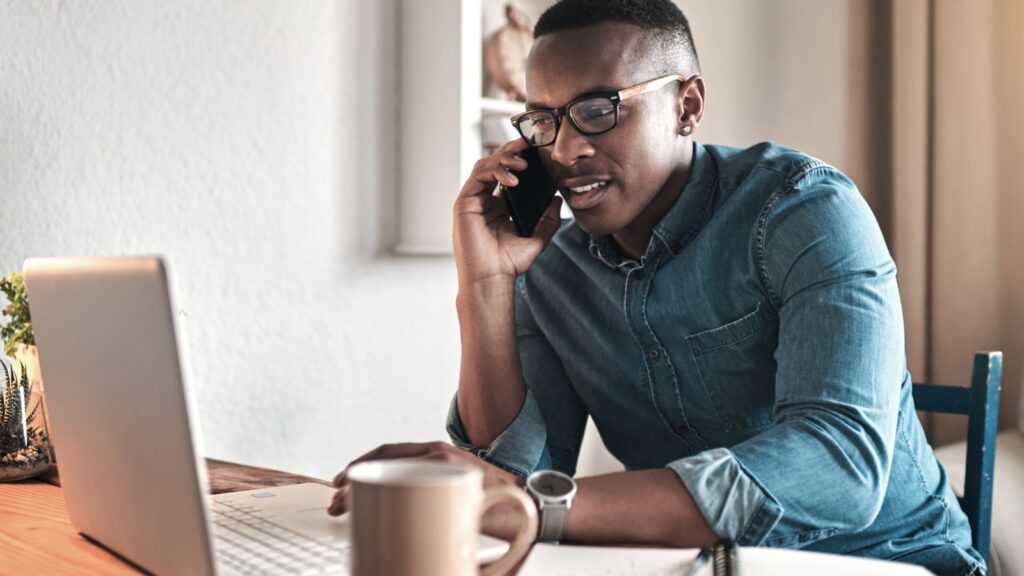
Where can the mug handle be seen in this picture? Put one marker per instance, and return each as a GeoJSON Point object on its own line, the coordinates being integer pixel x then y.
{"type": "Point", "coordinates": [527, 531]}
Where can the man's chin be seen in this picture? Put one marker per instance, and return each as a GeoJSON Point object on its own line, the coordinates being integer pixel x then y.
{"type": "Point", "coordinates": [595, 225]}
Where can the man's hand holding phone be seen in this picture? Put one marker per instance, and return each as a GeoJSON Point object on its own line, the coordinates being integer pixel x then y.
{"type": "Point", "coordinates": [487, 245]}
{"type": "Point", "coordinates": [489, 254]}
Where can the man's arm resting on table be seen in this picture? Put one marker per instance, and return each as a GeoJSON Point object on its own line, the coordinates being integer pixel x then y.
{"type": "Point", "coordinates": [644, 506]}
{"type": "Point", "coordinates": [650, 507]}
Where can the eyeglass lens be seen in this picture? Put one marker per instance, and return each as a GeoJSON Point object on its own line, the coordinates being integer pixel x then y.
{"type": "Point", "coordinates": [589, 116]}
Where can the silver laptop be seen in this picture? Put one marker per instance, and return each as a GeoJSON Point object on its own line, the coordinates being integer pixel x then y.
{"type": "Point", "coordinates": [129, 460]}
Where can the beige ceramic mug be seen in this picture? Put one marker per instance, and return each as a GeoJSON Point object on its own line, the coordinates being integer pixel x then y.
{"type": "Point", "coordinates": [416, 517]}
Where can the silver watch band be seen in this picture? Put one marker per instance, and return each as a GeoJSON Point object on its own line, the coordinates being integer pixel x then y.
{"type": "Point", "coordinates": [554, 492]}
{"type": "Point", "coordinates": [552, 522]}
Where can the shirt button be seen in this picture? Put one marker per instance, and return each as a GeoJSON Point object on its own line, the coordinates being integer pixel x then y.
{"type": "Point", "coordinates": [683, 430]}
{"type": "Point", "coordinates": [653, 354]}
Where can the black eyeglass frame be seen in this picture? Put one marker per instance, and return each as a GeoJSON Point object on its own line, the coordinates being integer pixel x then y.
{"type": "Point", "coordinates": [615, 98]}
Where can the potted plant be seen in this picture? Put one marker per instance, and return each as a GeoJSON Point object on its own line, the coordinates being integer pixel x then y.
{"type": "Point", "coordinates": [24, 443]}
{"type": "Point", "coordinates": [24, 435]}
{"type": "Point", "coordinates": [19, 341]}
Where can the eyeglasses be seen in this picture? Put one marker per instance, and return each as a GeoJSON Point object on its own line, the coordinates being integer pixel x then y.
{"type": "Point", "coordinates": [591, 114]}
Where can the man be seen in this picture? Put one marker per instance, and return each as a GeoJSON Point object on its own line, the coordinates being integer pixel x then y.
{"type": "Point", "coordinates": [729, 318]}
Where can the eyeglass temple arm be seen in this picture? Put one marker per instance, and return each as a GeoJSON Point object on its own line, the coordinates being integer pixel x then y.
{"type": "Point", "coordinates": [651, 86]}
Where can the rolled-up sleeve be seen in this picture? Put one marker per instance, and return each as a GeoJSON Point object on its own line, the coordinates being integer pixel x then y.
{"type": "Point", "coordinates": [547, 432]}
{"type": "Point", "coordinates": [823, 465]}
{"type": "Point", "coordinates": [518, 449]}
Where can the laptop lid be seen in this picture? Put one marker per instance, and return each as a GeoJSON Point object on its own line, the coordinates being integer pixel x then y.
{"type": "Point", "coordinates": [119, 409]}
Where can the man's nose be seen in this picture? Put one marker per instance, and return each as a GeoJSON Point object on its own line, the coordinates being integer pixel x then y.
{"type": "Point", "coordinates": [570, 144]}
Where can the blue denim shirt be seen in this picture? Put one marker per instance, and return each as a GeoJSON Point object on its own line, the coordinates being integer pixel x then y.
{"type": "Point", "coordinates": [756, 349]}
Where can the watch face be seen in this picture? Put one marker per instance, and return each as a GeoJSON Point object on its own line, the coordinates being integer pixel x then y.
{"type": "Point", "coordinates": [552, 485]}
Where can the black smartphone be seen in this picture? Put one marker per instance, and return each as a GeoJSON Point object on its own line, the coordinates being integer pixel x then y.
{"type": "Point", "coordinates": [528, 201]}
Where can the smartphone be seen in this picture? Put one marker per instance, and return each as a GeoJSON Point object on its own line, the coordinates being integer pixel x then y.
{"type": "Point", "coordinates": [528, 201]}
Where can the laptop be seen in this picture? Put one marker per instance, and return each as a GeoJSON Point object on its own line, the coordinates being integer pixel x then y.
{"type": "Point", "coordinates": [129, 458]}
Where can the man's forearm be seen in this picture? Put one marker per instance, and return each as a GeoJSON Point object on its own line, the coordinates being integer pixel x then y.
{"type": "Point", "coordinates": [642, 507]}
{"type": "Point", "coordinates": [491, 388]}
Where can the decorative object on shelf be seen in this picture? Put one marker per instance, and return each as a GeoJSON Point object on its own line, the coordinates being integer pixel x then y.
{"type": "Point", "coordinates": [505, 53]}
{"type": "Point", "coordinates": [450, 72]}
{"type": "Point", "coordinates": [24, 438]}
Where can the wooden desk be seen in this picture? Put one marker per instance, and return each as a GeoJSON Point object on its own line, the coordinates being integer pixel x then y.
{"type": "Point", "coordinates": [36, 536]}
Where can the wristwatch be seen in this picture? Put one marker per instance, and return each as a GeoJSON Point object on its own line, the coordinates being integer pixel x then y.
{"type": "Point", "coordinates": [553, 492]}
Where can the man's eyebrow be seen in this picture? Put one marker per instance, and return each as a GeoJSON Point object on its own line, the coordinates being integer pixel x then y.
{"type": "Point", "coordinates": [591, 90]}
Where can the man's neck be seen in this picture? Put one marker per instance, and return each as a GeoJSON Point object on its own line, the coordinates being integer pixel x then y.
{"type": "Point", "coordinates": [634, 238]}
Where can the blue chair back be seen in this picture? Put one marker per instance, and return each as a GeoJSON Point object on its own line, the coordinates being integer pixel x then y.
{"type": "Point", "coordinates": [980, 403]}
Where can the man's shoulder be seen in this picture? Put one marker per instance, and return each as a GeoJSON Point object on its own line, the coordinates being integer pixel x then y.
{"type": "Point", "coordinates": [736, 165]}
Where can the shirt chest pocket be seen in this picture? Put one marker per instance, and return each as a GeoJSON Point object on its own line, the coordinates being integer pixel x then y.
{"type": "Point", "coordinates": [737, 367]}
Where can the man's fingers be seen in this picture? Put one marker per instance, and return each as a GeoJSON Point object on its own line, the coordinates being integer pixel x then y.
{"type": "Point", "coordinates": [511, 161]}
{"type": "Point", "coordinates": [341, 478]}
{"type": "Point", "coordinates": [496, 169]}
{"type": "Point", "coordinates": [485, 177]}
{"type": "Point", "coordinates": [441, 456]}
{"type": "Point", "coordinates": [483, 204]}
{"type": "Point", "coordinates": [514, 146]}
{"type": "Point", "coordinates": [474, 187]}
{"type": "Point", "coordinates": [550, 221]}
{"type": "Point", "coordinates": [337, 506]}
{"type": "Point", "coordinates": [389, 452]}
{"type": "Point", "coordinates": [429, 451]}
{"type": "Point", "coordinates": [497, 219]}
{"type": "Point", "coordinates": [505, 177]}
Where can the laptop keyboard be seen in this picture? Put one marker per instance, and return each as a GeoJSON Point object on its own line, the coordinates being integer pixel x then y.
{"type": "Point", "coordinates": [249, 541]}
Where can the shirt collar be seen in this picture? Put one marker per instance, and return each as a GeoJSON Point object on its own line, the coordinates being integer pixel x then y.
{"type": "Point", "coordinates": [681, 223]}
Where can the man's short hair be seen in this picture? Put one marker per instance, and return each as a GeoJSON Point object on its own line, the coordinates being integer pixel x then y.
{"type": "Point", "coordinates": [662, 19]}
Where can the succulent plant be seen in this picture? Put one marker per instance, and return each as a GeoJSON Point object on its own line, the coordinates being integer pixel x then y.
{"type": "Point", "coordinates": [16, 430]}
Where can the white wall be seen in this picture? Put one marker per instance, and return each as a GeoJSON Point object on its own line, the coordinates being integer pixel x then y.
{"type": "Point", "coordinates": [790, 71]}
{"type": "Point", "coordinates": [252, 144]}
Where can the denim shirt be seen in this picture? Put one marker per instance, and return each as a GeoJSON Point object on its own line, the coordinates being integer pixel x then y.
{"type": "Point", "coordinates": [756, 349]}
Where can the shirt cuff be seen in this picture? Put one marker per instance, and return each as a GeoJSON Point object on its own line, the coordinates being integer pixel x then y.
{"type": "Point", "coordinates": [518, 449]}
{"type": "Point", "coordinates": [732, 502]}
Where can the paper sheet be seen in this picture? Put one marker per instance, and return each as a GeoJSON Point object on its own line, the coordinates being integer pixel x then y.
{"type": "Point", "coordinates": [563, 560]}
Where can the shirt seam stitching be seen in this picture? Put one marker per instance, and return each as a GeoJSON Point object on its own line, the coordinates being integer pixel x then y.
{"type": "Point", "coordinates": [745, 533]}
{"type": "Point", "coordinates": [803, 170]}
{"type": "Point", "coordinates": [699, 351]}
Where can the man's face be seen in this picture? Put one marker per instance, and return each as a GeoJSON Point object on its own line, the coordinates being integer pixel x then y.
{"type": "Point", "coordinates": [632, 163]}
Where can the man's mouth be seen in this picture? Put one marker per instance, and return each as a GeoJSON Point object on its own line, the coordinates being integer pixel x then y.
{"type": "Point", "coordinates": [587, 188]}
{"type": "Point", "coordinates": [585, 195]}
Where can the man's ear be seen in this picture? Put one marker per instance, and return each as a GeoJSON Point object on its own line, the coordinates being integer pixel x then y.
{"type": "Point", "coordinates": [690, 105]}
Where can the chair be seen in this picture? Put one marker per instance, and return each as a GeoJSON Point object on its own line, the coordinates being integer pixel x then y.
{"type": "Point", "coordinates": [980, 403]}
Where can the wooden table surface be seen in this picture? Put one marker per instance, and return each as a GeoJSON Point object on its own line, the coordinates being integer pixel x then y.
{"type": "Point", "coordinates": [36, 536]}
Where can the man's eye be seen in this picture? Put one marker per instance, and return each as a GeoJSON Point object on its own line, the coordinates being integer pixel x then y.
{"type": "Point", "coordinates": [594, 110]}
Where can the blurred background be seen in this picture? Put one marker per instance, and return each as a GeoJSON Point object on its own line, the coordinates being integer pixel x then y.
{"type": "Point", "coordinates": [295, 162]}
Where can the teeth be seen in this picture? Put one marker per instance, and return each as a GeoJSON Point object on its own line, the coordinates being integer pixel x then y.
{"type": "Point", "coordinates": [587, 188]}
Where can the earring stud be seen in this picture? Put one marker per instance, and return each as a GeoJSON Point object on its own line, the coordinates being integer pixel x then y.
{"type": "Point", "coordinates": [686, 129]}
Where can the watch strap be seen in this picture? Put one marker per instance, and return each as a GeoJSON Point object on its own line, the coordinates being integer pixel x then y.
{"type": "Point", "coordinates": [552, 522]}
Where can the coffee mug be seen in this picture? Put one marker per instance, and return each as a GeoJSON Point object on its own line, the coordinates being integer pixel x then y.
{"type": "Point", "coordinates": [414, 517]}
